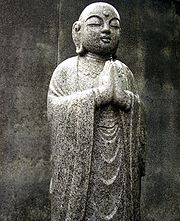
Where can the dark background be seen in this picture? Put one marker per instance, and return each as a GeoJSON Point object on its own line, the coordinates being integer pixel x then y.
{"type": "Point", "coordinates": [34, 35]}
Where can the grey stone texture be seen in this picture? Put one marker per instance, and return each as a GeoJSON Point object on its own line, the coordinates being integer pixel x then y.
{"type": "Point", "coordinates": [97, 126]}
{"type": "Point", "coordinates": [28, 51]}
{"type": "Point", "coordinates": [148, 45]}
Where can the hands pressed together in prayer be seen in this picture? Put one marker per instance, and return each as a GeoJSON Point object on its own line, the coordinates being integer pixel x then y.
{"type": "Point", "coordinates": [109, 90]}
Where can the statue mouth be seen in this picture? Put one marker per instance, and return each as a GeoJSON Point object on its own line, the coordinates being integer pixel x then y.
{"type": "Point", "coordinates": [105, 39]}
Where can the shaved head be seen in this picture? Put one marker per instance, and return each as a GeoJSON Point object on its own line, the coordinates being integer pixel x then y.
{"type": "Point", "coordinates": [94, 8]}
{"type": "Point", "coordinates": [97, 30]}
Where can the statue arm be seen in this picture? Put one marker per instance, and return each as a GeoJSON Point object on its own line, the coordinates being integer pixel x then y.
{"type": "Point", "coordinates": [58, 96]}
{"type": "Point", "coordinates": [71, 121]}
{"type": "Point", "coordinates": [123, 98]}
{"type": "Point", "coordinates": [61, 90]}
{"type": "Point", "coordinates": [124, 94]}
{"type": "Point", "coordinates": [102, 95]}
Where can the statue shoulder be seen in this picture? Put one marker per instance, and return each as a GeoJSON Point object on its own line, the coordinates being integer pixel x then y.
{"type": "Point", "coordinates": [61, 75]}
{"type": "Point", "coordinates": [65, 67]}
{"type": "Point", "coordinates": [124, 69]}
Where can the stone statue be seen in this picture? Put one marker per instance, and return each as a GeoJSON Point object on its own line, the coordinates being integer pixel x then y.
{"type": "Point", "coordinates": [97, 126]}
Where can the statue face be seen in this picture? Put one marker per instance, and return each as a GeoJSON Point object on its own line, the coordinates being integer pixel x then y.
{"type": "Point", "coordinates": [100, 29]}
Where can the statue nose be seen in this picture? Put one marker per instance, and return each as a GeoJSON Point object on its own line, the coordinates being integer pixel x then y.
{"type": "Point", "coordinates": [106, 29]}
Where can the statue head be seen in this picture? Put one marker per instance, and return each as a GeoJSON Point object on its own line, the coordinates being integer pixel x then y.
{"type": "Point", "coordinates": [97, 30]}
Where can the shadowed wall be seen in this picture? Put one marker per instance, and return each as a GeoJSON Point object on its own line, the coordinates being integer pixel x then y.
{"type": "Point", "coordinates": [28, 53]}
{"type": "Point", "coordinates": [33, 36]}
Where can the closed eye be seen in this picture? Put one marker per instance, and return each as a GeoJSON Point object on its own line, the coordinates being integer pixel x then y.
{"type": "Point", "coordinates": [115, 23]}
{"type": "Point", "coordinates": [94, 21]}
{"type": "Point", "coordinates": [115, 26]}
{"type": "Point", "coordinates": [94, 24]}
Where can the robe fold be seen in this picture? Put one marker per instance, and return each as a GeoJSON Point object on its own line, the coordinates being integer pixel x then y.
{"type": "Point", "coordinates": [75, 144]}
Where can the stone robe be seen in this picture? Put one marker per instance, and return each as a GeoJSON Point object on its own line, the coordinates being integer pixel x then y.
{"type": "Point", "coordinates": [97, 151]}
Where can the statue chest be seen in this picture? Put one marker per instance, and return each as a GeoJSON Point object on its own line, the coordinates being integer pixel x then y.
{"type": "Point", "coordinates": [87, 80]}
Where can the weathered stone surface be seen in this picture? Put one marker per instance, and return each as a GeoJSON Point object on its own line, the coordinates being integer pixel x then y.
{"type": "Point", "coordinates": [97, 126]}
{"type": "Point", "coordinates": [28, 48]}
{"type": "Point", "coordinates": [148, 45]}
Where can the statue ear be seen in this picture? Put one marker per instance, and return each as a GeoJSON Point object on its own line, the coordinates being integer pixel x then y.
{"type": "Point", "coordinates": [76, 35]}
{"type": "Point", "coordinates": [76, 26]}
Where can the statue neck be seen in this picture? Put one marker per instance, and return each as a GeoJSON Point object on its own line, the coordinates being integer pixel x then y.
{"type": "Point", "coordinates": [98, 57]}
{"type": "Point", "coordinates": [91, 64]}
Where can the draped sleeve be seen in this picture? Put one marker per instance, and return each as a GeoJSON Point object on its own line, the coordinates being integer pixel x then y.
{"type": "Point", "coordinates": [71, 119]}
{"type": "Point", "coordinates": [137, 109]}
{"type": "Point", "coordinates": [134, 138]}
{"type": "Point", "coordinates": [142, 121]}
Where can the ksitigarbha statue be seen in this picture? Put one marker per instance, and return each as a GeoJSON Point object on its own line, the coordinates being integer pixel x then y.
{"type": "Point", "coordinates": [97, 128]}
